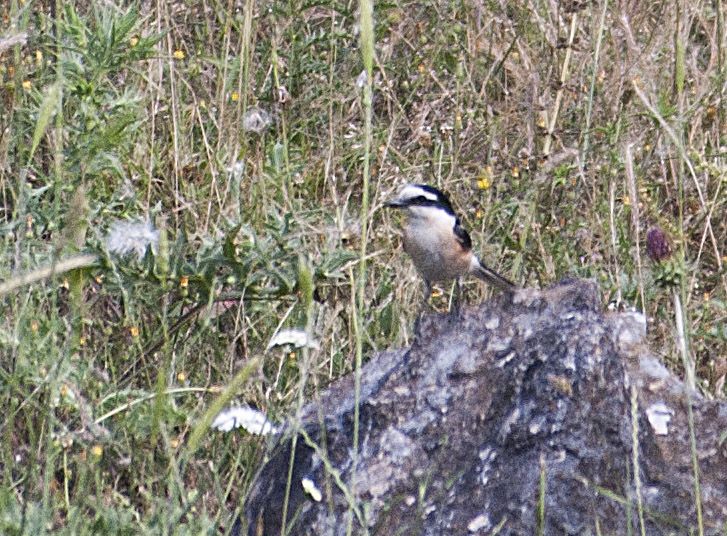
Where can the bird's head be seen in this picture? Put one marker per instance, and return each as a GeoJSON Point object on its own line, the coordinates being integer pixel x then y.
{"type": "Point", "coordinates": [418, 199]}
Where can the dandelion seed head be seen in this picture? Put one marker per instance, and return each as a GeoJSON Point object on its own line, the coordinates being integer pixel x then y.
{"type": "Point", "coordinates": [132, 237]}
{"type": "Point", "coordinates": [256, 120]}
{"type": "Point", "coordinates": [252, 420]}
{"type": "Point", "coordinates": [297, 338]}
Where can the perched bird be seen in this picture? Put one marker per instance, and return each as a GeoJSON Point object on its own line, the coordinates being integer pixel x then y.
{"type": "Point", "coordinates": [434, 239]}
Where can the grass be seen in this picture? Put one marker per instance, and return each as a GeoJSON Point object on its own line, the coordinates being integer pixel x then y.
{"type": "Point", "coordinates": [125, 114]}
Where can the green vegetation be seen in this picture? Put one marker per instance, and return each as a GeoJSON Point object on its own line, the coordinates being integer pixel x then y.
{"type": "Point", "coordinates": [246, 137]}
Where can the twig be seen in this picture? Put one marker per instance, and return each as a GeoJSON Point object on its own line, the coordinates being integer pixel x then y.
{"type": "Point", "coordinates": [46, 272]}
{"type": "Point", "coordinates": [633, 194]}
{"type": "Point", "coordinates": [563, 78]}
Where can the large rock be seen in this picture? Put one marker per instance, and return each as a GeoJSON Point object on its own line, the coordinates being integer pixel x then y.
{"type": "Point", "coordinates": [515, 419]}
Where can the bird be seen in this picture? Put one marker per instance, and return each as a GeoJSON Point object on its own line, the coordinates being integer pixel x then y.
{"type": "Point", "coordinates": [439, 246]}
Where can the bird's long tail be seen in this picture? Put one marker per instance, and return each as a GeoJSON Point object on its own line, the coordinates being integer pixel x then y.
{"type": "Point", "coordinates": [491, 277]}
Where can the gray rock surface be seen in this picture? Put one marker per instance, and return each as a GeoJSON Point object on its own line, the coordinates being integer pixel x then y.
{"type": "Point", "coordinates": [514, 420]}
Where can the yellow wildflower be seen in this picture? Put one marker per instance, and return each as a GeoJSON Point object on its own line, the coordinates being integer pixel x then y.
{"type": "Point", "coordinates": [484, 181]}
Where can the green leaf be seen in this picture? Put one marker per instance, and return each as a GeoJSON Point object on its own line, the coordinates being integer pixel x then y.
{"type": "Point", "coordinates": [279, 157]}
{"type": "Point", "coordinates": [48, 107]}
{"type": "Point", "coordinates": [305, 282]}
{"type": "Point", "coordinates": [229, 248]}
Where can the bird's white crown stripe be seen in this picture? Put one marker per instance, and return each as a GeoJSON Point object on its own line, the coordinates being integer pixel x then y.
{"type": "Point", "coordinates": [411, 191]}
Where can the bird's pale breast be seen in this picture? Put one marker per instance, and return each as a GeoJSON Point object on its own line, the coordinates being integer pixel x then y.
{"type": "Point", "coordinates": [430, 242]}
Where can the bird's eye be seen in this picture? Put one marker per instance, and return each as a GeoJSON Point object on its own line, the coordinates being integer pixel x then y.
{"type": "Point", "coordinates": [420, 199]}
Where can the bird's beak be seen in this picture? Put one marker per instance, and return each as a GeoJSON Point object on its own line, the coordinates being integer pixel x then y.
{"type": "Point", "coordinates": [395, 203]}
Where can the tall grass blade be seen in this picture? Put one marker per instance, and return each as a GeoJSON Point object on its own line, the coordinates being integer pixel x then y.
{"type": "Point", "coordinates": [366, 22]}
{"type": "Point", "coordinates": [220, 402]}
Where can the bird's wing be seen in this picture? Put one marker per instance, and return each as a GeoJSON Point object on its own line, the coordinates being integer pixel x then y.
{"type": "Point", "coordinates": [463, 237]}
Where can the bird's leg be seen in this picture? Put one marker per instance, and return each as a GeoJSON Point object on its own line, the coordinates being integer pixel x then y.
{"type": "Point", "coordinates": [457, 298]}
{"type": "Point", "coordinates": [424, 305]}
{"type": "Point", "coordinates": [427, 294]}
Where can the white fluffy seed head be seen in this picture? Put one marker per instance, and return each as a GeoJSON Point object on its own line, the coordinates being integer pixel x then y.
{"type": "Point", "coordinates": [256, 120]}
{"type": "Point", "coordinates": [132, 237]}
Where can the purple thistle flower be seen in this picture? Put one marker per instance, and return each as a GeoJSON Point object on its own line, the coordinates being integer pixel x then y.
{"type": "Point", "coordinates": [657, 244]}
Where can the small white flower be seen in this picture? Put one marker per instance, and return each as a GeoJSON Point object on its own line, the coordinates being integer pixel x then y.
{"type": "Point", "coordinates": [252, 420]}
{"type": "Point", "coordinates": [126, 237]}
